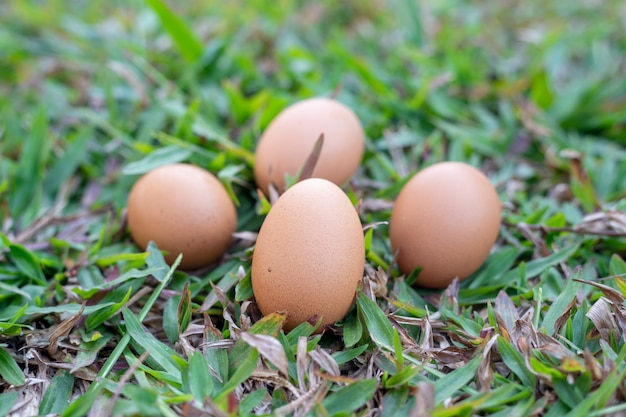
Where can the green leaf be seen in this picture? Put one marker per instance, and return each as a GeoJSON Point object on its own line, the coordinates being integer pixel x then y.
{"type": "Point", "coordinates": [560, 305]}
{"type": "Point", "coordinates": [349, 398]}
{"type": "Point", "coordinates": [600, 396]}
{"type": "Point", "coordinates": [540, 91]}
{"type": "Point", "coordinates": [162, 156]}
{"type": "Point", "coordinates": [243, 290]}
{"type": "Point", "coordinates": [216, 358]}
{"type": "Point", "coordinates": [184, 309]}
{"type": "Point", "coordinates": [9, 370]}
{"type": "Point", "coordinates": [97, 318]}
{"type": "Point", "coordinates": [250, 401]}
{"type": "Point", "coordinates": [269, 325]}
{"type": "Point", "coordinates": [343, 356]}
{"type": "Point", "coordinates": [243, 370]}
{"type": "Point", "coordinates": [155, 260]}
{"type": "Point", "coordinates": [201, 382]}
{"type": "Point", "coordinates": [57, 397]}
{"type": "Point", "coordinates": [133, 273]}
{"type": "Point", "coordinates": [89, 351]}
{"type": "Point", "coordinates": [402, 377]}
{"type": "Point", "coordinates": [7, 399]}
{"type": "Point", "coordinates": [446, 386]}
{"type": "Point", "coordinates": [376, 322]}
{"type": "Point", "coordinates": [73, 156]}
{"type": "Point", "coordinates": [352, 329]}
{"type": "Point", "coordinates": [170, 319]}
{"type": "Point", "coordinates": [537, 266]}
{"type": "Point", "coordinates": [515, 362]}
{"type": "Point", "coordinates": [161, 353]}
{"type": "Point", "coordinates": [26, 189]}
{"type": "Point", "coordinates": [617, 266]}
{"type": "Point", "coordinates": [27, 263]}
{"type": "Point", "coordinates": [188, 45]}
{"type": "Point", "coordinates": [83, 404]}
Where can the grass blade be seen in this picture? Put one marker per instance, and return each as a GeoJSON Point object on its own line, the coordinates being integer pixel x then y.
{"type": "Point", "coordinates": [243, 371]}
{"type": "Point", "coordinates": [515, 362]}
{"type": "Point", "coordinates": [349, 398]}
{"type": "Point", "coordinates": [161, 353]}
{"type": "Point", "coordinates": [200, 379]}
{"type": "Point", "coordinates": [9, 370]}
{"type": "Point", "coordinates": [379, 326]}
{"type": "Point", "coordinates": [454, 381]}
{"type": "Point", "coordinates": [27, 263]}
{"type": "Point", "coordinates": [186, 42]}
{"type": "Point", "coordinates": [57, 396]}
{"type": "Point", "coordinates": [7, 399]}
{"type": "Point", "coordinates": [560, 306]}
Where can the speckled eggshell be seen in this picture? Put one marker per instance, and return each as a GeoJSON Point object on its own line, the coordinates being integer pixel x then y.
{"type": "Point", "coordinates": [445, 220]}
{"type": "Point", "coordinates": [289, 139]}
{"type": "Point", "coordinates": [183, 209]}
{"type": "Point", "coordinates": [309, 255]}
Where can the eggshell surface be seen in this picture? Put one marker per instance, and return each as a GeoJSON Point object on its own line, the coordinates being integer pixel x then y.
{"type": "Point", "coordinates": [183, 209]}
{"type": "Point", "coordinates": [309, 255]}
{"type": "Point", "coordinates": [446, 219]}
{"type": "Point", "coordinates": [289, 139]}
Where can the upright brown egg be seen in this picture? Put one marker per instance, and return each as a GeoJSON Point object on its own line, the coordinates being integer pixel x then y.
{"type": "Point", "coordinates": [309, 255]}
{"type": "Point", "coordinates": [445, 220]}
{"type": "Point", "coordinates": [183, 209]}
{"type": "Point", "coordinates": [291, 136]}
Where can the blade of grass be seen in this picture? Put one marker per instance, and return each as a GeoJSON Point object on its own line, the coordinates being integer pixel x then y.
{"type": "Point", "coordinates": [515, 362]}
{"type": "Point", "coordinates": [244, 369]}
{"type": "Point", "coordinates": [349, 398]}
{"type": "Point", "coordinates": [560, 305]}
{"type": "Point", "coordinates": [27, 264]}
{"type": "Point", "coordinates": [186, 42]}
{"type": "Point", "coordinates": [379, 326]}
{"type": "Point", "coordinates": [57, 396]}
{"type": "Point", "coordinates": [446, 386]}
{"type": "Point", "coordinates": [9, 370]}
{"type": "Point", "coordinates": [83, 404]}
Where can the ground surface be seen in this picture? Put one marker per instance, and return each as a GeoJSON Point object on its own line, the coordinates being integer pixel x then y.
{"type": "Point", "coordinates": [94, 93]}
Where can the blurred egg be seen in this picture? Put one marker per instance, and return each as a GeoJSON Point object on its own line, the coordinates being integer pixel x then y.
{"type": "Point", "coordinates": [445, 220]}
{"type": "Point", "coordinates": [289, 139]}
{"type": "Point", "coordinates": [183, 209]}
{"type": "Point", "coordinates": [309, 255]}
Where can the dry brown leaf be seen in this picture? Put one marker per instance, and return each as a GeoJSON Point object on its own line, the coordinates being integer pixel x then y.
{"type": "Point", "coordinates": [218, 294]}
{"type": "Point", "coordinates": [325, 360]}
{"type": "Point", "coordinates": [302, 362]}
{"type": "Point", "coordinates": [273, 377]}
{"type": "Point", "coordinates": [304, 403]}
{"type": "Point", "coordinates": [311, 161]}
{"type": "Point", "coordinates": [83, 373]}
{"type": "Point", "coordinates": [525, 329]}
{"type": "Point", "coordinates": [270, 348]}
{"type": "Point", "coordinates": [424, 399]}
{"type": "Point", "coordinates": [602, 318]}
{"type": "Point", "coordinates": [562, 319]}
{"type": "Point", "coordinates": [62, 330]}
{"type": "Point", "coordinates": [506, 312]}
{"type": "Point", "coordinates": [610, 293]}
{"type": "Point", "coordinates": [484, 374]}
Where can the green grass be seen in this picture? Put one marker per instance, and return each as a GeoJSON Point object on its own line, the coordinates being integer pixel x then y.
{"type": "Point", "coordinates": [92, 94]}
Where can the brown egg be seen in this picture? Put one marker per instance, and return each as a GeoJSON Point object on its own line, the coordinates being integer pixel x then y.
{"type": "Point", "coordinates": [309, 255]}
{"type": "Point", "coordinates": [445, 220]}
{"type": "Point", "coordinates": [289, 139]}
{"type": "Point", "coordinates": [183, 209]}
